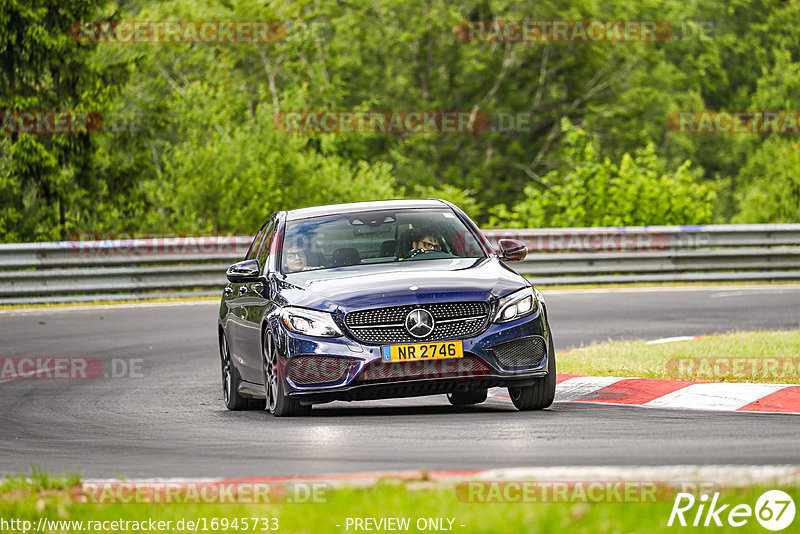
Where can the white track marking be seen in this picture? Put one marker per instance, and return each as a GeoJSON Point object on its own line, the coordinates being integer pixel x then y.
{"type": "Point", "coordinates": [669, 340]}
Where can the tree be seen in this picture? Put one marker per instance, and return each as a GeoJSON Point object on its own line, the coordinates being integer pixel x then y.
{"type": "Point", "coordinates": [595, 191]}
{"type": "Point", "coordinates": [771, 193]}
{"type": "Point", "coordinates": [46, 177]}
{"type": "Point", "coordinates": [203, 112]}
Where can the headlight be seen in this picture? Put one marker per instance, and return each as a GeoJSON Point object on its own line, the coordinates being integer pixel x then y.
{"type": "Point", "coordinates": [310, 322]}
{"type": "Point", "coordinates": [516, 305]}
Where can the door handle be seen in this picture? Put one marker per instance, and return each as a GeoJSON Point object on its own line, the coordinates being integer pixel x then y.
{"type": "Point", "coordinates": [242, 290]}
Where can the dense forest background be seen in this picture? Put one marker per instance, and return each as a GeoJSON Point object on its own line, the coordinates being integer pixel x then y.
{"type": "Point", "coordinates": [189, 144]}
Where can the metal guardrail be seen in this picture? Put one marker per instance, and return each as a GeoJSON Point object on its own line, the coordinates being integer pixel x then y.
{"type": "Point", "coordinates": [144, 268]}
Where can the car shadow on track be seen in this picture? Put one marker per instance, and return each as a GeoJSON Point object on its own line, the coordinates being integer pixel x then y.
{"type": "Point", "coordinates": [400, 407]}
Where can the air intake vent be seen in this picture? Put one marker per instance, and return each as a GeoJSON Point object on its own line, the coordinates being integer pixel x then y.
{"type": "Point", "coordinates": [319, 370]}
{"type": "Point", "coordinates": [521, 353]}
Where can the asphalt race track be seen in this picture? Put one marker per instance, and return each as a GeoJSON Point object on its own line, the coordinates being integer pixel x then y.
{"type": "Point", "coordinates": [168, 419]}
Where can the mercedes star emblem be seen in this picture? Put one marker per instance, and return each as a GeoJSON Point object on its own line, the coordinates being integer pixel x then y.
{"type": "Point", "coordinates": [419, 323]}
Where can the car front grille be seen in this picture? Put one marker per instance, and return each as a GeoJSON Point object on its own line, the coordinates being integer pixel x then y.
{"type": "Point", "coordinates": [386, 325]}
{"type": "Point", "coordinates": [520, 353]}
{"type": "Point", "coordinates": [319, 370]}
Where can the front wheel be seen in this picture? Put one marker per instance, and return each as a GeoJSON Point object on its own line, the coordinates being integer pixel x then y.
{"type": "Point", "coordinates": [540, 395]}
{"type": "Point", "coordinates": [231, 380]}
{"type": "Point", "coordinates": [278, 403]}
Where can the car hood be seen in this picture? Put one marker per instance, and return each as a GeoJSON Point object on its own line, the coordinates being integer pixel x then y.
{"type": "Point", "coordinates": [400, 283]}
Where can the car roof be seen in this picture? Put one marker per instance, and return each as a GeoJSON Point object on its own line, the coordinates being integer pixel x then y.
{"type": "Point", "coordinates": [357, 207]}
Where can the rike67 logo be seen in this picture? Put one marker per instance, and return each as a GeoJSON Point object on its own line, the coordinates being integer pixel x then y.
{"type": "Point", "coordinates": [774, 510]}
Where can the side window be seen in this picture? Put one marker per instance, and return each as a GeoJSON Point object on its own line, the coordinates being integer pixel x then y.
{"type": "Point", "coordinates": [263, 251]}
{"type": "Point", "coordinates": [251, 252]}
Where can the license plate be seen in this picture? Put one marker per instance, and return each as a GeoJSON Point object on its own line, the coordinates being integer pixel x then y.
{"type": "Point", "coordinates": [422, 351]}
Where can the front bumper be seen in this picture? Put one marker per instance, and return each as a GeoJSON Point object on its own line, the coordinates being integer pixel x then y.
{"type": "Point", "coordinates": [326, 369]}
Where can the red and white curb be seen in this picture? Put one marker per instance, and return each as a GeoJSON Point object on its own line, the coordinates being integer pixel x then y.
{"type": "Point", "coordinates": [659, 393]}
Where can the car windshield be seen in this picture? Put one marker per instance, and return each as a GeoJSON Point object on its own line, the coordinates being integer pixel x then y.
{"type": "Point", "coordinates": [376, 237]}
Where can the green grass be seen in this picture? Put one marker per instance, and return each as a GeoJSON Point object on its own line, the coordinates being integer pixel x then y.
{"type": "Point", "coordinates": [189, 298]}
{"type": "Point", "coordinates": [39, 480]}
{"type": "Point", "coordinates": [763, 357]}
{"type": "Point", "coordinates": [413, 500]}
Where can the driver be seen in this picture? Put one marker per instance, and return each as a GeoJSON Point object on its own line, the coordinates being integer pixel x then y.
{"type": "Point", "coordinates": [424, 239]}
{"type": "Point", "coordinates": [427, 242]}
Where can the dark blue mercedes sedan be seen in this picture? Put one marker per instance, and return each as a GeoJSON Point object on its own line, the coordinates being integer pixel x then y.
{"type": "Point", "coordinates": [376, 300]}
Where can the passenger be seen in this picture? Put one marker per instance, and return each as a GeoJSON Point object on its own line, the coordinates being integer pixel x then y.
{"type": "Point", "coordinates": [296, 259]}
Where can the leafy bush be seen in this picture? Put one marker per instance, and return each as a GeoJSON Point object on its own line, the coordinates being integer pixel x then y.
{"type": "Point", "coordinates": [771, 184]}
{"type": "Point", "coordinates": [596, 191]}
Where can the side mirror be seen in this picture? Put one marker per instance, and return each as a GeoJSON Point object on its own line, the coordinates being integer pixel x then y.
{"type": "Point", "coordinates": [244, 271]}
{"type": "Point", "coordinates": [512, 250]}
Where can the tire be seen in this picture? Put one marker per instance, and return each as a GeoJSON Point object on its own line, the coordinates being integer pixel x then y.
{"type": "Point", "coordinates": [278, 403]}
{"type": "Point", "coordinates": [234, 400]}
{"type": "Point", "coordinates": [465, 398]}
{"type": "Point", "coordinates": [540, 395]}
